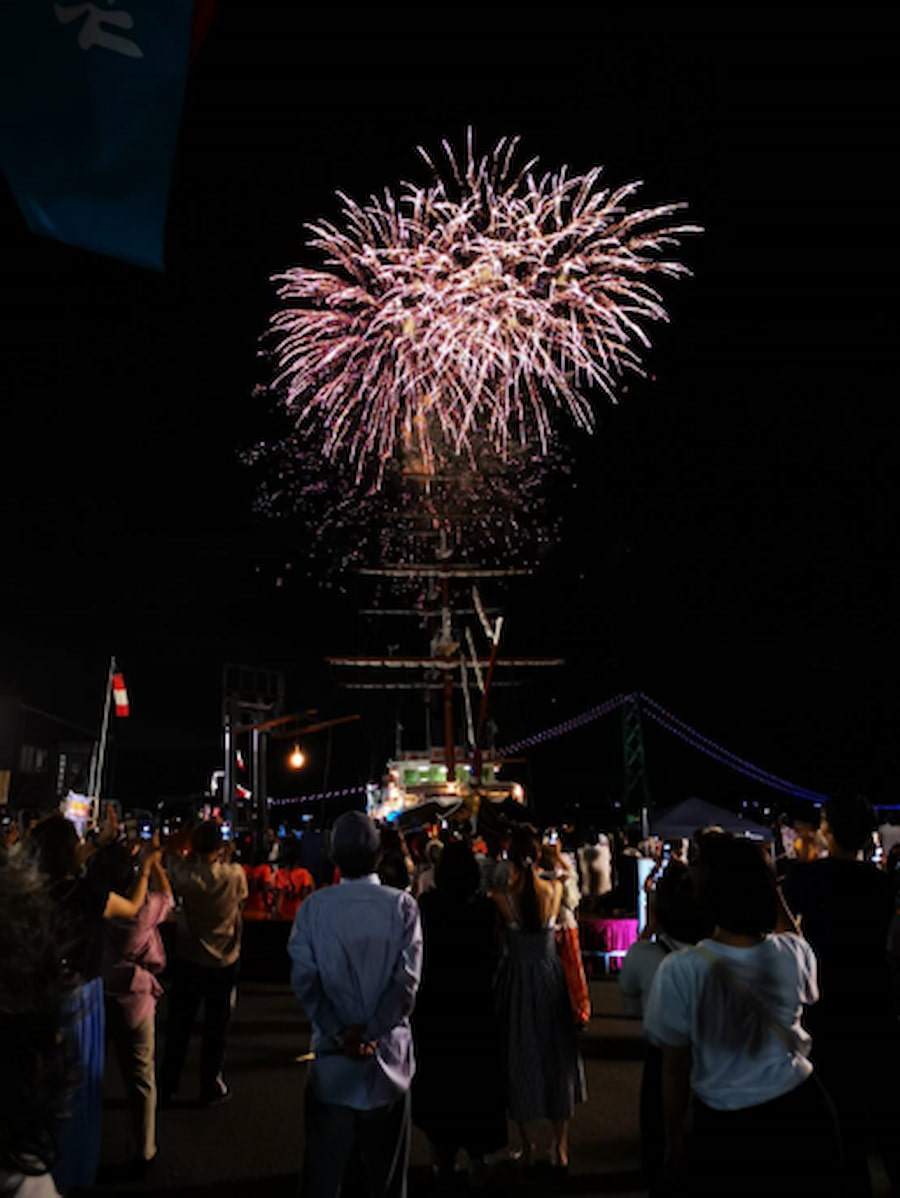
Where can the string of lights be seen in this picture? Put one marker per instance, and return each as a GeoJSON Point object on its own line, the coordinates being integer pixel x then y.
{"type": "Point", "coordinates": [325, 794]}
{"type": "Point", "coordinates": [586, 717]}
{"type": "Point", "coordinates": [673, 724]}
{"type": "Point", "coordinates": [749, 771]}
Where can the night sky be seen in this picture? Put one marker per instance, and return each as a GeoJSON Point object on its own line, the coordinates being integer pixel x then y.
{"type": "Point", "coordinates": [727, 543]}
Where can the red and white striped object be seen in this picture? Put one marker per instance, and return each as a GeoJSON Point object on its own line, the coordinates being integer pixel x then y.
{"type": "Point", "coordinates": [120, 694]}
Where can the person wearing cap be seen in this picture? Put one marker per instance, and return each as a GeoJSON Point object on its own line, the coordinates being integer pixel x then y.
{"type": "Point", "coordinates": [356, 952]}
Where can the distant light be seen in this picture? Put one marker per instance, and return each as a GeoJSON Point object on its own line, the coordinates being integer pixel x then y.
{"type": "Point", "coordinates": [297, 759]}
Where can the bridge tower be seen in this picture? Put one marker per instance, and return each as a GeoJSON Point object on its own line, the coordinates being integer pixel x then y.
{"type": "Point", "coordinates": [636, 790]}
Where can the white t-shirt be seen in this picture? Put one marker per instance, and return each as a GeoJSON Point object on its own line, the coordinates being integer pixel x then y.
{"type": "Point", "coordinates": [639, 968]}
{"type": "Point", "coordinates": [783, 967]}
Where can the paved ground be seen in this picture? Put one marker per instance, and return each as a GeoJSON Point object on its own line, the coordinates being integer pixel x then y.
{"type": "Point", "coordinates": [253, 1143]}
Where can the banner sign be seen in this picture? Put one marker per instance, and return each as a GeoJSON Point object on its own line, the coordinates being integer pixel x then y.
{"type": "Point", "coordinates": [80, 810]}
{"type": "Point", "coordinates": [92, 96]}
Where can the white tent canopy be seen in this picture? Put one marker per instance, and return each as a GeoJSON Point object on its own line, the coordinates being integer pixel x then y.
{"type": "Point", "coordinates": [687, 816]}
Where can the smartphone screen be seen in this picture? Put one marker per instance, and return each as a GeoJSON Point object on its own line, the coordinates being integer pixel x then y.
{"type": "Point", "coordinates": [226, 830]}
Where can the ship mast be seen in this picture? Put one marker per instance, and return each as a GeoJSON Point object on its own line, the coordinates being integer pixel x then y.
{"type": "Point", "coordinates": [441, 586]}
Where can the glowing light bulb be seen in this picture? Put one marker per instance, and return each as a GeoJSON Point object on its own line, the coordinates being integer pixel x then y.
{"type": "Point", "coordinates": [297, 759]}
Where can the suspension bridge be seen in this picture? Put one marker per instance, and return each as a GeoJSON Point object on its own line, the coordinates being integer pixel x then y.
{"type": "Point", "coordinates": [635, 707]}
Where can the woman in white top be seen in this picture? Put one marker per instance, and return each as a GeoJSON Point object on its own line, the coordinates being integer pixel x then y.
{"type": "Point", "coordinates": [727, 1017]}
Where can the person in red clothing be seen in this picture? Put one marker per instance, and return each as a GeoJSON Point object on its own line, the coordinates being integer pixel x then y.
{"type": "Point", "coordinates": [260, 892]}
{"type": "Point", "coordinates": [292, 883]}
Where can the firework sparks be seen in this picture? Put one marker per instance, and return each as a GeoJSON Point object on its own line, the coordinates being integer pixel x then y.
{"type": "Point", "coordinates": [474, 308]}
{"type": "Point", "coordinates": [498, 509]}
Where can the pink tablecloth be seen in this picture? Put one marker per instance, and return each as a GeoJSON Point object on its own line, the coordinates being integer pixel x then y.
{"type": "Point", "coordinates": [608, 936]}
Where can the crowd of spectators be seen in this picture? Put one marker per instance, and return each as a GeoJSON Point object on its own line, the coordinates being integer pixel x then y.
{"type": "Point", "coordinates": [442, 976]}
{"type": "Point", "coordinates": [81, 954]}
{"type": "Point", "coordinates": [765, 978]}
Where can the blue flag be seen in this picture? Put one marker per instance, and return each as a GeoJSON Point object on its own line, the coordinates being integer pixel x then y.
{"type": "Point", "coordinates": [91, 95]}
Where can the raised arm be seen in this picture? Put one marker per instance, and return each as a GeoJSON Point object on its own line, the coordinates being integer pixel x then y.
{"type": "Point", "coordinates": [117, 905]}
{"type": "Point", "coordinates": [158, 876]}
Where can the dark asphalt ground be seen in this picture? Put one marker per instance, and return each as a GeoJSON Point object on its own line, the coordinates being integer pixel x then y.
{"type": "Point", "coordinates": [253, 1144]}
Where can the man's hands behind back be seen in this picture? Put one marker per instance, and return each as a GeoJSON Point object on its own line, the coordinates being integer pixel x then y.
{"type": "Point", "coordinates": [352, 1044]}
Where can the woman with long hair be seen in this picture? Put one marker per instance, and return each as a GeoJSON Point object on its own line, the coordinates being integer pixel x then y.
{"type": "Point", "coordinates": [544, 1071]}
{"type": "Point", "coordinates": [458, 1091]}
{"type": "Point", "coordinates": [726, 1015]}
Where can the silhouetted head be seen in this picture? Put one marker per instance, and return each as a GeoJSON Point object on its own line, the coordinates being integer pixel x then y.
{"type": "Point", "coordinates": [206, 838]}
{"type": "Point", "coordinates": [355, 844]}
{"type": "Point", "coordinates": [850, 820]}
{"type": "Point", "coordinates": [737, 887]}
{"type": "Point", "coordinates": [524, 847]}
{"type": "Point", "coordinates": [54, 845]}
{"type": "Point", "coordinates": [115, 863]}
{"type": "Point", "coordinates": [457, 874]}
{"type": "Point", "coordinates": [678, 912]}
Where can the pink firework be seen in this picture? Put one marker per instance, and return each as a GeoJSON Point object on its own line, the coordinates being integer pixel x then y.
{"type": "Point", "coordinates": [484, 304]}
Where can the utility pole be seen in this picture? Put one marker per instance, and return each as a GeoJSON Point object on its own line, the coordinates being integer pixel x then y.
{"type": "Point", "coordinates": [249, 696]}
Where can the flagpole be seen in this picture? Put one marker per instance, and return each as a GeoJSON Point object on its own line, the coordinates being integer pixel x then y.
{"type": "Point", "coordinates": [97, 779]}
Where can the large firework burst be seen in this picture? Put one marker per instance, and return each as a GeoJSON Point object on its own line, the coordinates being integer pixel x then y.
{"type": "Point", "coordinates": [469, 311]}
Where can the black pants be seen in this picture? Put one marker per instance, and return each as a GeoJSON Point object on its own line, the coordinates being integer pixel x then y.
{"type": "Point", "coordinates": [332, 1132]}
{"type": "Point", "coordinates": [191, 985]}
{"type": "Point", "coordinates": [653, 1127]}
{"type": "Point", "coordinates": [790, 1145]}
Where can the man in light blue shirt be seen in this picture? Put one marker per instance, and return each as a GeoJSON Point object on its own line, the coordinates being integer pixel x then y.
{"type": "Point", "coordinates": [356, 950]}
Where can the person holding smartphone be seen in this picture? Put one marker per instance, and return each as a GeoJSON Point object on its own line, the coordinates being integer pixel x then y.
{"type": "Point", "coordinates": [133, 958]}
{"type": "Point", "coordinates": [212, 890]}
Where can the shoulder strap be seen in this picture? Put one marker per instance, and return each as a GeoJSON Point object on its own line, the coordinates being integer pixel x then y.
{"type": "Point", "coordinates": [786, 1034]}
